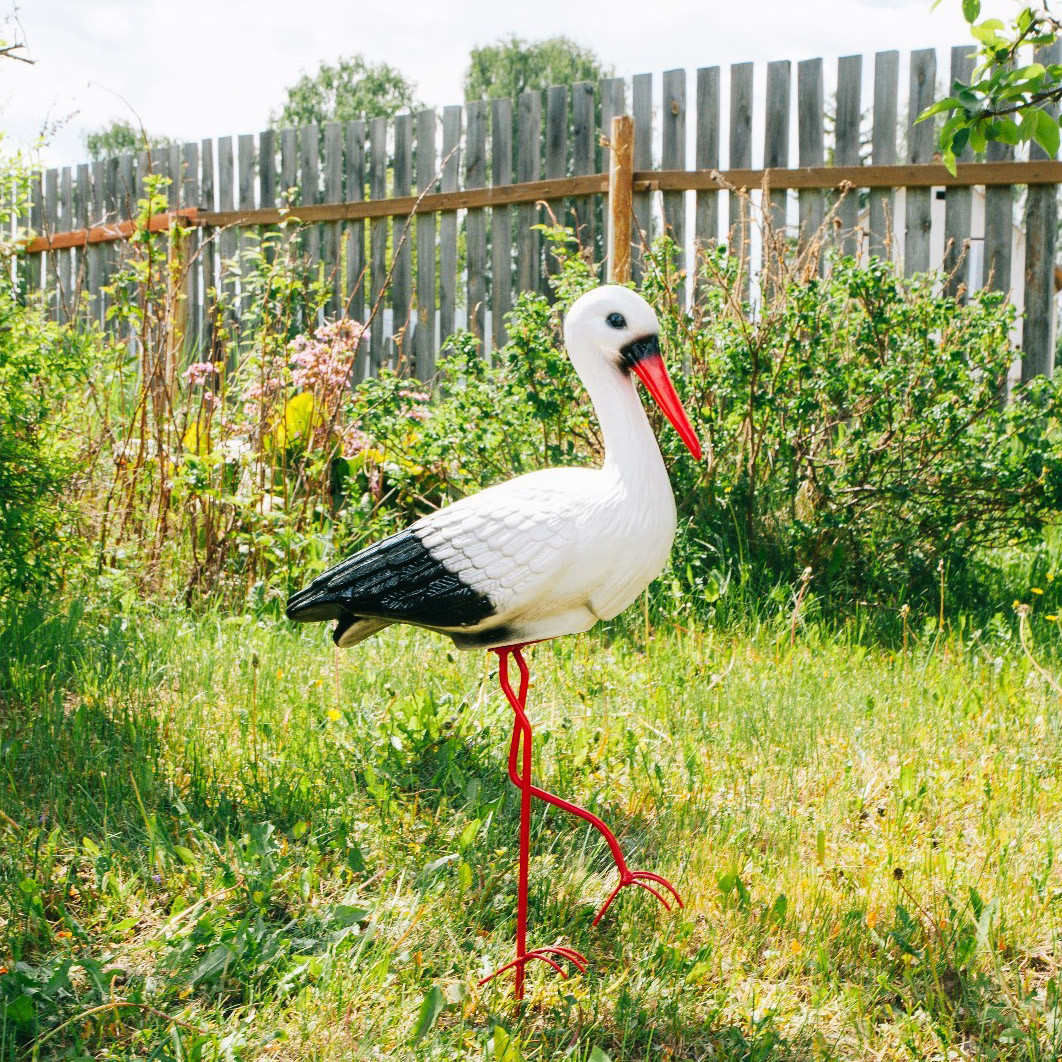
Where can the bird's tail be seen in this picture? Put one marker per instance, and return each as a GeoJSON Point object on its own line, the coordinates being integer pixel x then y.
{"type": "Point", "coordinates": [318, 604]}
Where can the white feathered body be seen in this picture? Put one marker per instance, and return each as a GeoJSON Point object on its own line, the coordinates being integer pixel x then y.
{"type": "Point", "coordinates": [553, 549]}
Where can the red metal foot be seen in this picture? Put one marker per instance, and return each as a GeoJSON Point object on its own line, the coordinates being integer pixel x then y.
{"type": "Point", "coordinates": [577, 959]}
{"type": "Point", "coordinates": [640, 878]}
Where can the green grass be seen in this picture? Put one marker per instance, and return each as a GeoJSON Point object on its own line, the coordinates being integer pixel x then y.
{"type": "Point", "coordinates": [220, 839]}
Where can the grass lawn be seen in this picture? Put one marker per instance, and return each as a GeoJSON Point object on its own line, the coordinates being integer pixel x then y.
{"type": "Point", "coordinates": [221, 839]}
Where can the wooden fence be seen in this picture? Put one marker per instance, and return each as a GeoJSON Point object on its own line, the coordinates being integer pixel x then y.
{"type": "Point", "coordinates": [472, 197]}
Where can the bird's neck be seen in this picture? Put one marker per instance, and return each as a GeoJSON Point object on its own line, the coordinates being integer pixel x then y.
{"type": "Point", "coordinates": [631, 448]}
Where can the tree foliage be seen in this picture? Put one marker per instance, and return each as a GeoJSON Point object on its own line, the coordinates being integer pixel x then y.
{"type": "Point", "coordinates": [353, 88]}
{"type": "Point", "coordinates": [511, 65]}
{"type": "Point", "coordinates": [1006, 100]}
{"type": "Point", "coordinates": [120, 137]}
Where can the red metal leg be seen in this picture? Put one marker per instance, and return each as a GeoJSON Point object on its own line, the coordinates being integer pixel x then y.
{"type": "Point", "coordinates": [641, 878]}
{"type": "Point", "coordinates": [521, 743]}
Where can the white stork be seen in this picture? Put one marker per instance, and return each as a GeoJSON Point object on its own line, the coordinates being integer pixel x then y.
{"type": "Point", "coordinates": [546, 554]}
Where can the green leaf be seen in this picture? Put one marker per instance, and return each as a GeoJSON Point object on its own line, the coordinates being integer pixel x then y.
{"type": "Point", "coordinates": [820, 846]}
{"type": "Point", "coordinates": [468, 834]}
{"type": "Point", "coordinates": [1046, 132]}
{"type": "Point", "coordinates": [185, 855]}
{"type": "Point", "coordinates": [949, 103]}
{"type": "Point", "coordinates": [214, 962]}
{"type": "Point", "coordinates": [20, 1011]}
{"type": "Point", "coordinates": [298, 420]}
{"type": "Point", "coordinates": [506, 1049]}
{"type": "Point", "coordinates": [597, 1055]}
{"type": "Point", "coordinates": [345, 915]}
{"type": "Point", "coordinates": [433, 1005]}
{"type": "Point", "coordinates": [1006, 131]}
{"type": "Point", "coordinates": [971, 9]}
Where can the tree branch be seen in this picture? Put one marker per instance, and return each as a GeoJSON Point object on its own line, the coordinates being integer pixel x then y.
{"type": "Point", "coordinates": [8, 52]}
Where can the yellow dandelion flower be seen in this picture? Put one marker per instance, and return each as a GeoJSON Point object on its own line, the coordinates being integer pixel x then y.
{"type": "Point", "coordinates": [1050, 577]}
{"type": "Point", "coordinates": [1051, 618]}
{"type": "Point", "coordinates": [334, 715]}
{"type": "Point", "coordinates": [796, 947]}
{"type": "Point", "coordinates": [1016, 605]}
{"type": "Point", "coordinates": [1036, 590]}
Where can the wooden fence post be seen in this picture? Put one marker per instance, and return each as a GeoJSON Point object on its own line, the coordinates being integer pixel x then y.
{"type": "Point", "coordinates": [620, 199]}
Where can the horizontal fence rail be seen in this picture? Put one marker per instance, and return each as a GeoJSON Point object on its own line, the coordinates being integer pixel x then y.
{"type": "Point", "coordinates": [430, 217]}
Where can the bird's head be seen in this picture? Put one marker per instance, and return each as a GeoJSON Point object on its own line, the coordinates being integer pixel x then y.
{"type": "Point", "coordinates": [616, 326]}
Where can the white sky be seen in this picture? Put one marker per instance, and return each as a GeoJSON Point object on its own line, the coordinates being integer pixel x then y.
{"type": "Point", "coordinates": [198, 69]}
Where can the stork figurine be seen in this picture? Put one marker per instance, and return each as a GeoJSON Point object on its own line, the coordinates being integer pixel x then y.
{"type": "Point", "coordinates": [546, 554]}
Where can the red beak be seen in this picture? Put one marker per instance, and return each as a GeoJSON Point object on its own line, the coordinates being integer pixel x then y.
{"type": "Point", "coordinates": [644, 357]}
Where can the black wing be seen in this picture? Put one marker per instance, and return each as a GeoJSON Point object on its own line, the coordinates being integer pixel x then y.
{"type": "Point", "coordinates": [397, 580]}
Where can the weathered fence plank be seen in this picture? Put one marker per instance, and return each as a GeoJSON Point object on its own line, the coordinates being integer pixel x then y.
{"type": "Point", "coordinates": [811, 146]}
{"type": "Point", "coordinates": [173, 171]}
{"type": "Point", "coordinates": [332, 231]}
{"type": "Point", "coordinates": [673, 157]}
{"type": "Point", "coordinates": [999, 225]}
{"type": "Point", "coordinates": [227, 241]}
{"type": "Point", "coordinates": [556, 138]}
{"type": "Point", "coordinates": [309, 180]}
{"type": "Point", "coordinates": [1041, 235]}
{"type": "Point", "coordinates": [35, 264]}
{"type": "Point", "coordinates": [958, 202]}
{"type": "Point", "coordinates": [776, 153]}
{"type": "Point", "coordinates": [642, 107]}
{"type": "Point", "coordinates": [501, 226]}
{"type": "Point", "coordinates": [192, 242]}
{"type": "Point", "coordinates": [528, 168]}
{"type": "Point", "coordinates": [378, 243]}
{"type": "Point", "coordinates": [267, 168]}
{"type": "Point", "coordinates": [424, 338]}
{"type": "Point", "coordinates": [613, 103]}
{"type": "Point", "coordinates": [476, 219]}
{"type": "Point", "coordinates": [68, 285]}
{"type": "Point", "coordinates": [354, 237]}
{"type": "Point", "coordinates": [208, 248]}
{"type": "Point", "coordinates": [111, 253]}
{"type": "Point", "coordinates": [706, 157]}
{"type": "Point", "coordinates": [740, 157]}
{"type": "Point", "coordinates": [245, 160]}
{"type": "Point", "coordinates": [450, 167]}
{"type": "Point", "coordinates": [921, 144]}
{"type": "Point", "coordinates": [846, 143]}
{"type": "Point", "coordinates": [583, 159]}
{"type": "Point", "coordinates": [883, 150]}
{"type": "Point", "coordinates": [289, 167]}
{"type": "Point", "coordinates": [53, 277]}
{"type": "Point", "coordinates": [402, 246]}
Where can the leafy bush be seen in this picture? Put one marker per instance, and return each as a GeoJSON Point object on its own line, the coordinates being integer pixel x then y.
{"type": "Point", "coordinates": [40, 362]}
{"type": "Point", "coordinates": [858, 436]}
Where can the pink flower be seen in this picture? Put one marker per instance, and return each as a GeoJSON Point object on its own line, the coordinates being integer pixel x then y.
{"type": "Point", "coordinates": [353, 441]}
{"type": "Point", "coordinates": [199, 372]}
{"type": "Point", "coordinates": [323, 363]}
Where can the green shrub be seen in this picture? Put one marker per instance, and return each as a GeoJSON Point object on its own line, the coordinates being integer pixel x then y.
{"type": "Point", "coordinates": [857, 435]}
{"type": "Point", "coordinates": [40, 365]}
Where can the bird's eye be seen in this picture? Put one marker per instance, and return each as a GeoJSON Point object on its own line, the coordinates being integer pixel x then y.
{"type": "Point", "coordinates": [616, 320]}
